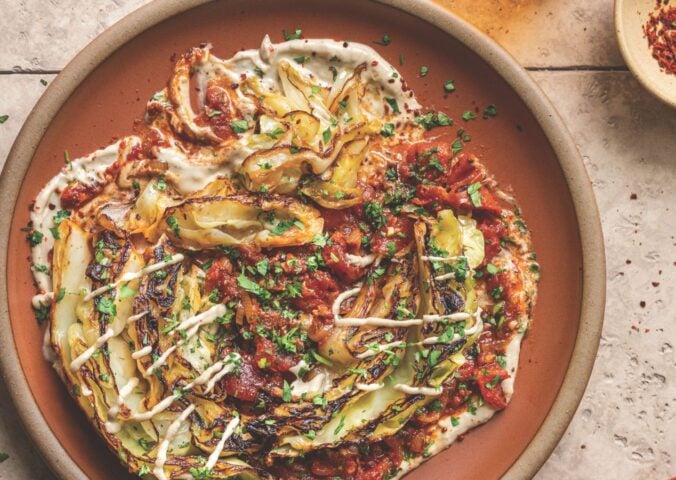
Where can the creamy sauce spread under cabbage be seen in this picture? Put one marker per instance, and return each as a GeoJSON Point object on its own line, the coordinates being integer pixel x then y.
{"type": "Point", "coordinates": [282, 276]}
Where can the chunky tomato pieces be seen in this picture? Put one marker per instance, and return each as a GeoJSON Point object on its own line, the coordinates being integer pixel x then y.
{"type": "Point", "coordinates": [489, 380]}
{"type": "Point", "coordinates": [221, 277]}
{"type": "Point", "coordinates": [336, 259]}
{"type": "Point", "coordinates": [249, 381]}
{"type": "Point", "coordinates": [446, 180]}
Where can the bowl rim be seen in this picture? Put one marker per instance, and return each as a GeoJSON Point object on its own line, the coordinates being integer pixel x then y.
{"type": "Point", "coordinates": [593, 258]}
{"type": "Point", "coordinates": [634, 68]}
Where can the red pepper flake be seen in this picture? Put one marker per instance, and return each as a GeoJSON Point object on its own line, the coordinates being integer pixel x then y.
{"type": "Point", "coordinates": [660, 30]}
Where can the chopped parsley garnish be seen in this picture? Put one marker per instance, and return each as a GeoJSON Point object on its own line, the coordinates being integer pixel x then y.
{"type": "Point", "coordinates": [34, 238]}
{"type": "Point", "coordinates": [252, 287]}
{"type": "Point", "coordinates": [375, 274]}
{"type": "Point", "coordinates": [388, 130]}
{"type": "Point", "coordinates": [431, 120]}
{"type": "Point", "coordinates": [449, 86]}
{"type": "Point", "coordinates": [173, 224]}
{"type": "Point", "coordinates": [320, 240]}
{"type": "Point", "coordinates": [393, 104]}
{"type": "Point", "coordinates": [106, 306]}
{"type": "Point", "coordinates": [41, 313]}
{"type": "Point", "coordinates": [433, 357]}
{"type": "Point", "coordinates": [492, 269]}
{"type": "Point", "coordinates": [284, 225]}
{"type": "Point", "coordinates": [468, 115]}
{"type": "Point", "coordinates": [275, 133]}
{"type": "Point", "coordinates": [262, 266]}
{"type": "Point", "coordinates": [490, 111]}
{"type": "Point", "coordinates": [456, 147]}
{"type": "Point", "coordinates": [126, 291]}
{"type": "Point", "coordinates": [239, 126]}
{"type": "Point", "coordinates": [474, 195]}
{"type": "Point", "coordinates": [60, 295]}
{"type": "Point", "coordinates": [295, 35]}
{"type": "Point", "coordinates": [301, 59]}
{"type": "Point", "coordinates": [320, 359]}
{"type": "Point", "coordinates": [385, 41]}
{"type": "Point", "coordinates": [286, 393]}
{"type": "Point", "coordinates": [39, 267]}
{"type": "Point", "coordinates": [161, 183]}
{"type": "Point", "coordinates": [424, 70]}
{"type": "Point", "coordinates": [214, 113]}
{"type": "Point", "coordinates": [374, 213]}
{"type": "Point", "coordinates": [326, 135]}
{"type": "Point", "coordinates": [3, 118]}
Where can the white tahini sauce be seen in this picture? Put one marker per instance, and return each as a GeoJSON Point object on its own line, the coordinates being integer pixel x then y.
{"type": "Point", "coordinates": [229, 430]}
{"type": "Point", "coordinates": [162, 451]}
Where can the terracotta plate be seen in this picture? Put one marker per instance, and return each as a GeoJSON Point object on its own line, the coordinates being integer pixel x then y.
{"type": "Point", "coordinates": [105, 88]}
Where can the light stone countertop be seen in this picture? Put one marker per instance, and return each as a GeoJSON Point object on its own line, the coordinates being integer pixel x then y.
{"type": "Point", "coordinates": [625, 427]}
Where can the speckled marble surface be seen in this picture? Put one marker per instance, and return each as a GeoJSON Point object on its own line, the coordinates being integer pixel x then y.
{"type": "Point", "coordinates": [625, 427]}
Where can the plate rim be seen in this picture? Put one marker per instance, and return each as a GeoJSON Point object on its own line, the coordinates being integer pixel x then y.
{"type": "Point", "coordinates": [591, 238]}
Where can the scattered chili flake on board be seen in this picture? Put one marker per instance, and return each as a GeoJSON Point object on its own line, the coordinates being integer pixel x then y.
{"type": "Point", "coordinates": [660, 30]}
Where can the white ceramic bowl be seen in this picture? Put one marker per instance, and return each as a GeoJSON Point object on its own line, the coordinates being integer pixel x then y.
{"type": "Point", "coordinates": [630, 17]}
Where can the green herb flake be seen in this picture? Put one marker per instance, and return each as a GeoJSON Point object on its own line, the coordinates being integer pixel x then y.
{"type": "Point", "coordinates": [388, 130]}
{"type": "Point", "coordinates": [474, 195]}
{"type": "Point", "coordinates": [326, 135]}
{"type": "Point", "coordinates": [39, 267]}
{"type": "Point", "coordinates": [239, 126]}
{"type": "Point", "coordinates": [321, 240]}
{"type": "Point", "coordinates": [173, 224]}
{"type": "Point", "coordinates": [301, 59]}
{"type": "Point", "coordinates": [60, 295]}
{"type": "Point", "coordinates": [34, 238]}
{"type": "Point", "coordinates": [456, 147]}
{"type": "Point", "coordinates": [385, 41]}
{"type": "Point", "coordinates": [106, 306]}
{"type": "Point", "coordinates": [424, 70]}
{"type": "Point", "coordinates": [286, 393]}
{"type": "Point", "coordinates": [295, 35]}
{"type": "Point", "coordinates": [275, 133]}
{"type": "Point", "coordinates": [3, 118]}
{"type": "Point", "coordinates": [492, 269]}
{"type": "Point", "coordinates": [490, 111]}
{"type": "Point", "coordinates": [262, 266]}
{"type": "Point", "coordinates": [321, 359]}
{"type": "Point", "coordinates": [393, 104]}
{"type": "Point", "coordinates": [433, 357]}
{"type": "Point", "coordinates": [252, 287]}
{"type": "Point", "coordinates": [468, 115]}
{"type": "Point", "coordinates": [449, 86]}
{"type": "Point", "coordinates": [126, 292]}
